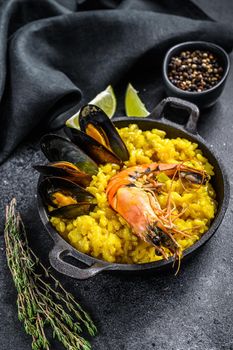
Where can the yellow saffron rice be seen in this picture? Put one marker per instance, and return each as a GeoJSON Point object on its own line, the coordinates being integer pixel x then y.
{"type": "Point", "coordinates": [104, 234]}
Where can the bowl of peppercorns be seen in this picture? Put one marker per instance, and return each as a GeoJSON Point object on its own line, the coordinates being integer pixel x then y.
{"type": "Point", "coordinates": [196, 71]}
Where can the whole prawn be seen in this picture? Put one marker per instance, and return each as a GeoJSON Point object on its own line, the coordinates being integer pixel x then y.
{"type": "Point", "coordinates": [132, 193]}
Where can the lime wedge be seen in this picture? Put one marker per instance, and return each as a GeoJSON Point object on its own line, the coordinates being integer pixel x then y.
{"type": "Point", "coordinates": [106, 100]}
{"type": "Point", "coordinates": [134, 106]}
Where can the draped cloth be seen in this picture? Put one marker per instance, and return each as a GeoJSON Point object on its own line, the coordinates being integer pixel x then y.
{"type": "Point", "coordinates": [56, 55]}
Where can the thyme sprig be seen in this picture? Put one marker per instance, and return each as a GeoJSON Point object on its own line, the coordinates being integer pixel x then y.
{"type": "Point", "coordinates": [42, 301]}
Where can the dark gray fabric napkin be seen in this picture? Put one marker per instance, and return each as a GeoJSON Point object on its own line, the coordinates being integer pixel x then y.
{"type": "Point", "coordinates": [55, 55]}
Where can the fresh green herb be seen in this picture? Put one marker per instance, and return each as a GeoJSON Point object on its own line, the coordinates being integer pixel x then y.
{"type": "Point", "coordinates": [42, 301]}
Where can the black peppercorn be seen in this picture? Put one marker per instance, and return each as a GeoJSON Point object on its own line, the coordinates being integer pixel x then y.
{"type": "Point", "coordinates": [194, 71]}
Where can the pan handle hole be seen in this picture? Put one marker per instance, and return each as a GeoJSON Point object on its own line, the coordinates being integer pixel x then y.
{"type": "Point", "coordinates": [175, 115]}
{"type": "Point", "coordinates": [75, 262]}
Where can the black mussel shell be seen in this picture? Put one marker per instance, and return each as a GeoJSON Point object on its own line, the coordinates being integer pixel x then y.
{"type": "Point", "coordinates": [195, 178]}
{"type": "Point", "coordinates": [93, 148]}
{"type": "Point", "coordinates": [66, 170]}
{"type": "Point", "coordinates": [73, 210]}
{"type": "Point", "coordinates": [58, 148]}
{"type": "Point", "coordinates": [103, 128]}
{"type": "Point", "coordinates": [50, 185]}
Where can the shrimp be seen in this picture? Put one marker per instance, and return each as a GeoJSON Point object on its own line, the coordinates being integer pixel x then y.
{"type": "Point", "coordinates": [132, 194]}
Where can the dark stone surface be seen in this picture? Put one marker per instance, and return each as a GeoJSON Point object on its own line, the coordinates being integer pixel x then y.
{"type": "Point", "coordinates": [193, 310]}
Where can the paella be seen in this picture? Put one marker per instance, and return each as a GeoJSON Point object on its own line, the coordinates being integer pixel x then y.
{"type": "Point", "coordinates": [138, 196]}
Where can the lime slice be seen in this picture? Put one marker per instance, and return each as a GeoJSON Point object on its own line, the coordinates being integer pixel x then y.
{"type": "Point", "coordinates": [134, 106]}
{"type": "Point", "coordinates": [106, 100]}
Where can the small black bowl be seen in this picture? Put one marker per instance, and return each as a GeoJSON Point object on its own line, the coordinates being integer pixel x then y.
{"type": "Point", "coordinates": [205, 98]}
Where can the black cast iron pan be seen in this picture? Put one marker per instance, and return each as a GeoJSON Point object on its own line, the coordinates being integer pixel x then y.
{"type": "Point", "coordinates": [61, 250]}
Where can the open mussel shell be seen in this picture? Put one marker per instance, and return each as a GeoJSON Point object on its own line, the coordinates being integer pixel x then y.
{"type": "Point", "coordinates": [94, 122]}
{"type": "Point", "coordinates": [58, 148]}
{"type": "Point", "coordinates": [66, 170]}
{"type": "Point", "coordinates": [51, 185]}
{"type": "Point", "coordinates": [93, 148]}
{"type": "Point", "coordinates": [73, 210]}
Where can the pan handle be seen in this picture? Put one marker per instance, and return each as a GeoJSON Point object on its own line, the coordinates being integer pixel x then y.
{"type": "Point", "coordinates": [178, 103]}
{"type": "Point", "coordinates": [60, 251]}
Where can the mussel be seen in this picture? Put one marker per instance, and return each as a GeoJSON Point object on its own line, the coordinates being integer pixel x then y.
{"type": "Point", "coordinates": [66, 170]}
{"type": "Point", "coordinates": [93, 148]}
{"type": "Point", "coordinates": [69, 199]}
{"type": "Point", "coordinates": [72, 211]}
{"type": "Point", "coordinates": [58, 148]}
{"type": "Point", "coordinates": [95, 123]}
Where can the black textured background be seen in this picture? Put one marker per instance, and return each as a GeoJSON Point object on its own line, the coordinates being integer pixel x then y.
{"type": "Point", "coordinates": [193, 310]}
